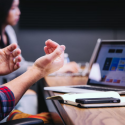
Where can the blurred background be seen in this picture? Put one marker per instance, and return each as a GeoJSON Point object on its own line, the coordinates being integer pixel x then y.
{"type": "Point", "coordinates": [75, 23]}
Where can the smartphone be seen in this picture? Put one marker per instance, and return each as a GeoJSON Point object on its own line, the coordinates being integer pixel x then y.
{"type": "Point", "coordinates": [97, 100]}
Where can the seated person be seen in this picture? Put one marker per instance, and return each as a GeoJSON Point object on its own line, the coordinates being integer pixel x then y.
{"type": "Point", "coordinates": [14, 90]}
{"type": "Point", "coordinates": [9, 16]}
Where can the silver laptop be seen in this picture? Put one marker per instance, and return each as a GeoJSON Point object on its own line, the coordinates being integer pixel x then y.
{"type": "Point", "coordinates": [107, 69]}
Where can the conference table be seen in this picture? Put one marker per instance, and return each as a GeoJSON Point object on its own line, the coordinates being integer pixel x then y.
{"type": "Point", "coordinates": [64, 114]}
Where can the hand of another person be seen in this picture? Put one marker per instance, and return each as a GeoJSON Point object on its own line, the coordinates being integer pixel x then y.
{"type": "Point", "coordinates": [70, 67]}
{"type": "Point", "coordinates": [9, 59]}
{"type": "Point", "coordinates": [54, 59]}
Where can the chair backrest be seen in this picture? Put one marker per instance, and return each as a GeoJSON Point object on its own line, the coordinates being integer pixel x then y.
{"type": "Point", "coordinates": [24, 121]}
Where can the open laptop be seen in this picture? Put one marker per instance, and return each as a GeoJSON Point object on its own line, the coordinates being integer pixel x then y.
{"type": "Point", "coordinates": [107, 69]}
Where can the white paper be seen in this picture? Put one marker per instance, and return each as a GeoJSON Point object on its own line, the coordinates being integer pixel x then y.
{"type": "Point", "coordinates": [73, 97]}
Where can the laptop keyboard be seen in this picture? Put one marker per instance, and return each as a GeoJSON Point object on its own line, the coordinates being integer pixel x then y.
{"type": "Point", "coordinates": [98, 89]}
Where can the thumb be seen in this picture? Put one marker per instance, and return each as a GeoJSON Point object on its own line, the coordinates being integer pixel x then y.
{"type": "Point", "coordinates": [57, 52]}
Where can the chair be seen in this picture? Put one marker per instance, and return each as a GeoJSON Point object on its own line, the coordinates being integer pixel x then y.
{"type": "Point", "coordinates": [32, 121]}
{"type": "Point", "coordinates": [24, 121]}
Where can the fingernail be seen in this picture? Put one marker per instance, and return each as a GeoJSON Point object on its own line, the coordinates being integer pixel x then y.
{"type": "Point", "coordinates": [50, 39]}
{"type": "Point", "coordinates": [61, 48]}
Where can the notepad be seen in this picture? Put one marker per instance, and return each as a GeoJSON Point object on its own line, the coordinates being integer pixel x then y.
{"type": "Point", "coordinates": [71, 99]}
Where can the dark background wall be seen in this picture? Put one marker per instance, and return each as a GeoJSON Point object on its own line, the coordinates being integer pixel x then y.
{"type": "Point", "coordinates": [75, 23]}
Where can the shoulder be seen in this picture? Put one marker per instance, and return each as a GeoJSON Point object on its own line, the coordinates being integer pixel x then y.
{"type": "Point", "coordinates": [11, 34]}
{"type": "Point", "coordinates": [9, 29]}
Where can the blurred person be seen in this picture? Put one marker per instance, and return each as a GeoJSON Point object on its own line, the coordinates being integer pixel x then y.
{"type": "Point", "coordinates": [71, 67]}
{"type": "Point", "coordinates": [11, 92]}
{"type": "Point", "coordinates": [9, 16]}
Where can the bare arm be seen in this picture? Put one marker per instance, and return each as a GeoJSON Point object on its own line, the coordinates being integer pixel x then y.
{"type": "Point", "coordinates": [20, 85]}
{"type": "Point", "coordinates": [42, 67]}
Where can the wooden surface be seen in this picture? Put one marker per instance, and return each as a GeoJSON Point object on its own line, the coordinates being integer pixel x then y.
{"type": "Point", "coordinates": [95, 116]}
{"type": "Point", "coordinates": [87, 116]}
{"type": "Point", "coordinates": [65, 80]}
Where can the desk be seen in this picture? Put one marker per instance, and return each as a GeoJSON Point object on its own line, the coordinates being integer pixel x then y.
{"type": "Point", "coordinates": [71, 115]}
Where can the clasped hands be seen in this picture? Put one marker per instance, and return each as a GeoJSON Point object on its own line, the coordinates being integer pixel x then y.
{"type": "Point", "coordinates": [51, 62]}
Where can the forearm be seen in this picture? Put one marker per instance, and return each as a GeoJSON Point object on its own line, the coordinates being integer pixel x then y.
{"type": "Point", "coordinates": [43, 66]}
{"type": "Point", "coordinates": [19, 85]}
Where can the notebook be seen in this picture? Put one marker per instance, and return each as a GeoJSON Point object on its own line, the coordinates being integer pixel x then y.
{"type": "Point", "coordinates": [107, 70]}
{"type": "Point", "coordinates": [71, 99]}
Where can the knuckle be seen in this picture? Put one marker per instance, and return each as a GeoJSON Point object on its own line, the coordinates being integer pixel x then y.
{"type": "Point", "coordinates": [58, 53]}
{"type": "Point", "coordinates": [14, 53]}
{"type": "Point", "coordinates": [48, 60]}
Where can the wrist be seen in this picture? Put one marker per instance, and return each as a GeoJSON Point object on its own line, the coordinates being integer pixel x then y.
{"type": "Point", "coordinates": [38, 74]}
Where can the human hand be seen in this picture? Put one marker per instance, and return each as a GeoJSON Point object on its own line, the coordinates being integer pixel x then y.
{"type": "Point", "coordinates": [71, 67]}
{"type": "Point", "coordinates": [54, 59]}
{"type": "Point", "coordinates": [9, 59]}
{"type": "Point", "coordinates": [50, 46]}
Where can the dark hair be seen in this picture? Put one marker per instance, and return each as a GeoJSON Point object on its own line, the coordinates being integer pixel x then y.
{"type": "Point", "coordinates": [5, 6]}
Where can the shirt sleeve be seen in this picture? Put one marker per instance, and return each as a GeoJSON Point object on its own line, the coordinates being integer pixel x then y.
{"type": "Point", "coordinates": [7, 101]}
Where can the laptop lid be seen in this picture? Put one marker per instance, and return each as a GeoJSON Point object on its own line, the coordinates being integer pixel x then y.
{"type": "Point", "coordinates": [108, 64]}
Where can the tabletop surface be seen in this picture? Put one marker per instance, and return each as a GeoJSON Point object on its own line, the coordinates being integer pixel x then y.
{"type": "Point", "coordinates": [86, 116]}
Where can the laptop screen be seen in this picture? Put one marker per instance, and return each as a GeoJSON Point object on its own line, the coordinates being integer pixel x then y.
{"type": "Point", "coordinates": [110, 61]}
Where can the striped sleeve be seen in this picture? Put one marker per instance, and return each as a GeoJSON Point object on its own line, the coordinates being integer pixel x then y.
{"type": "Point", "coordinates": [7, 101]}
